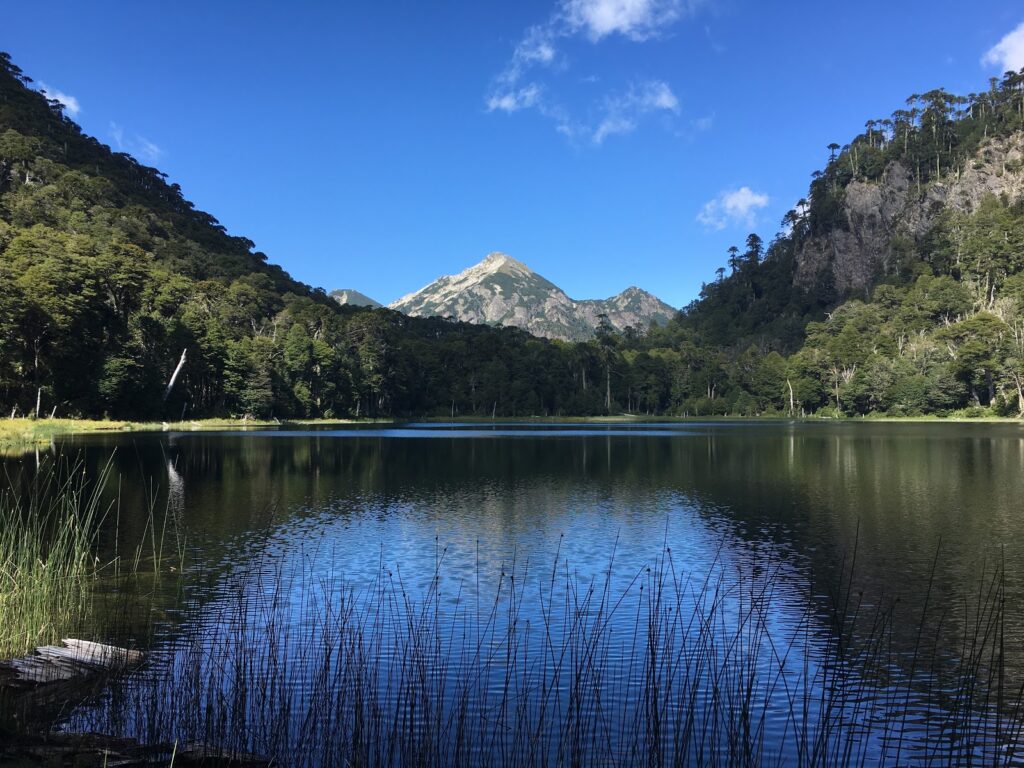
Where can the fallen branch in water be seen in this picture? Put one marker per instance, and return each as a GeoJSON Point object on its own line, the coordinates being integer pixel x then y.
{"type": "Point", "coordinates": [75, 659]}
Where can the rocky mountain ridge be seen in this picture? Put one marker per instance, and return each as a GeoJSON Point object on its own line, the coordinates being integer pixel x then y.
{"type": "Point", "coordinates": [503, 291]}
{"type": "Point", "coordinates": [348, 296]}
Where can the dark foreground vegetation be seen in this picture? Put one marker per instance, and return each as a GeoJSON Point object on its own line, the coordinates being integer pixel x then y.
{"type": "Point", "coordinates": [109, 278]}
{"type": "Point", "coordinates": [739, 663]}
{"type": "Point", "coordinates": [550, 669]}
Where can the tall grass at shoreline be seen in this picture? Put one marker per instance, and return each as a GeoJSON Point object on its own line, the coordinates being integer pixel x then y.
{"type": "Point", "coordinates": [665, 668]}
{"type": "Point", "coordinates": [48, 538]}
{"type": "Point", "coordinates": [51, 562]}
{"type": "Point", "coordinates": [733, 665]}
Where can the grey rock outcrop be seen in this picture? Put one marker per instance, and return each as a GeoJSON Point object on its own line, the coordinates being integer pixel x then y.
{"type": "Point", "coordinates": [354, 298]}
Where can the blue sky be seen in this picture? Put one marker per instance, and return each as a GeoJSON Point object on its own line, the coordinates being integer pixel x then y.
{"type": "Point", "coordinates": [605, 143]}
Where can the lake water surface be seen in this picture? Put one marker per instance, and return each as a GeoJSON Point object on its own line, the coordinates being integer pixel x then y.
{"type": "Point", "coordinates": [723, 593]}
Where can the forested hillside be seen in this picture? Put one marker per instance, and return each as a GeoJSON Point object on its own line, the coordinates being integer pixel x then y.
{"type": "Point", "coordinates": [108, 274]}
{"type": "Point", "coordinates": [896, 287]}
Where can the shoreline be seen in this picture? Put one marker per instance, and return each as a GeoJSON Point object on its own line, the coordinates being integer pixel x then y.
{"type": "Point", "coordinates": [25, 433]}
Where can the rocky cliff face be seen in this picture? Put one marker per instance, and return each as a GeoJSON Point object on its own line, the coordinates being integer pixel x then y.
{"type": "Point", "coordinates": [502, 291]}
{"type": "Point", "coordinates": [880, 213]}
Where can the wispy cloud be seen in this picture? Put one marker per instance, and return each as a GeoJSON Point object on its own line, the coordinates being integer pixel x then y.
{"type": "Point", "coordinates": [733, 208]}
{"type": "Point", "coordinates": [705, 123]}
{"type": "Point", "coordinates": [716, 46]}
{"type": "Point", "coordinates": [70, 103]}
{"type": "Point", "coordinates": [1008, 53]}
{"type": "Point", "coordinates": [147, 150]}
{"type": "Point", "coordinates": [621, 113]}
{"type": "Point", "coordinates": [138, 146]}
{"type": "Point", "coordinates": [635, 19]}
{"type": "Point", "coordinates": [522, 83]}
{"type": "Point", "coordinates": [514, 100]}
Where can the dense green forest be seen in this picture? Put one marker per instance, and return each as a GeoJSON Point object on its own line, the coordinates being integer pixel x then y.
{"type": "Point", "coordinates": [938, 325]}
{"type": "Point", "coordinates": [109, 278]}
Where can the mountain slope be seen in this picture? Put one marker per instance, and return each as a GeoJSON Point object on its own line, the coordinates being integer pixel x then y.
{"type": "Point", "coordinates": [502, 291]}
{"type": "Point", "coordinates": [878, 213]}
{"type": "Point", "coordinates": [109, 278]}
{"type": "Point", "coordinates": [897, 287]}
{"type": "Point", "coordinates": [354, 298]}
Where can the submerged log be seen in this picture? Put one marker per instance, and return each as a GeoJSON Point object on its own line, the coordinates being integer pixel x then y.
{"type": "Point", "coordinates": [93, 749]}
{"type": "Point", "coordinates": [53, 670]}
{"type": "Point", "coordinates": [80, 750]}
{"type": "Point", "coordinates": [198, 753]}
{"type": "Point", "coordinates": [76, 659]}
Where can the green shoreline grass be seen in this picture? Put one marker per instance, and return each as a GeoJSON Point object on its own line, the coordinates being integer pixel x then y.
{"type": "Point", "coordinates": [27, 434]}
{"type": "Point", "coordinates": [47, 563]}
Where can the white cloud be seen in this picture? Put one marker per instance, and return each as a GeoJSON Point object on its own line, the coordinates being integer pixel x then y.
{"type": "Point", "coordinates": [117, 132]}
{"type": "Point", "coordinates": [733, 207]}
{"type": "Point", "coordinates": [622, 113]}
{"type": "Point", "coordinates": [705, 123]}
{"type": "Point", "coordinates": [514, 100]}
{"type": "Point", "coordinates": [147, 150]}
{"type": "Point", "coordinates": [1008, 53]}
{"type": "Point", "coordinates": [657, 95]}
{"type": "Point", "coordinates": [635, 19]}
{"type": "Point", "coordinates": [537, 48]}
{"type": "Point", "coordinates": [595, 20]}
{"type": "Point", "coordinates": [138, 146]}
{"type": "Point", "coordinates": [70, 103]}
{"type": "Point", "coordinates": [716, 46]}
{"type": "Point", "coordinates": [611, 125]}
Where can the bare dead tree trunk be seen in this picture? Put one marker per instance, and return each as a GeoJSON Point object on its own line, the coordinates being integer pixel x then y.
{"type": "Point", "coordinates": [608, 390]}
{"type": "Point", "coordinates": [39, 400]}
{"type": "Point", "coordinates": [792, 409]}
{"type": "Point", "coordinates": [174, 376]}
{"type": "Point", "coordinates": [835, 380]}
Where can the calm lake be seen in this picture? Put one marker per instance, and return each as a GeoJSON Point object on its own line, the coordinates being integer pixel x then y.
{"type": "Point", "coordinates": [725, 593]}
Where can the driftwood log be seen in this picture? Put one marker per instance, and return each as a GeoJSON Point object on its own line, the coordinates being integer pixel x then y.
{"type": "Point", "coordinates": [75, 659]}
{"type": "Point", "coordinates": [76, 663]}
{"type": "Point", "coordinates": [92, 749]}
